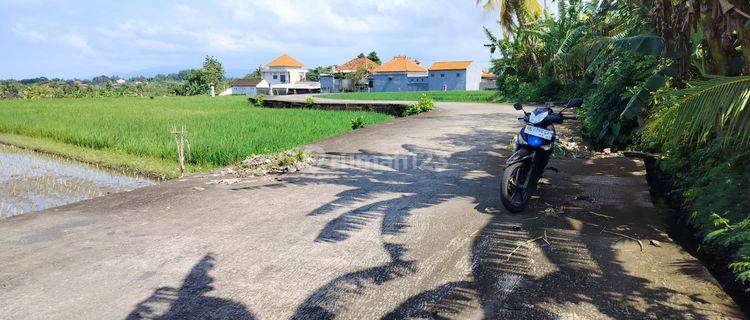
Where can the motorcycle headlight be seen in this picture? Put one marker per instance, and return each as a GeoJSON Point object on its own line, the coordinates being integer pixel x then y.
{"type": "Point", "coordinates": [535, 141]}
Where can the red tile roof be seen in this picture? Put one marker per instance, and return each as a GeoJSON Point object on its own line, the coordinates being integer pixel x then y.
{"type": "Point", "coordinates": [285, 61]}
{"type": "Point", "coordinates": [488, 75]}
{"type": "Point", "coordinates": [400, 64]}
{"type": "Point", "coordinates": [359, 63]}
{"type": "Point", "coordinates": [450, 65]}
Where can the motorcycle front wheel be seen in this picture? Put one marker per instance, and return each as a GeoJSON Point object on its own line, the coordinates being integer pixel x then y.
{"type": "Point", "coordinates": [514, 195]}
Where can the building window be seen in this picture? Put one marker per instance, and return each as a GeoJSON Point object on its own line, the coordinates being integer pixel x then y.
{"type": "Point", "coordinates": [275, 77]}
{"type": "Point", "coordinates": [458, 75]}
{"type": "Point", "coordinates": [442, 75]}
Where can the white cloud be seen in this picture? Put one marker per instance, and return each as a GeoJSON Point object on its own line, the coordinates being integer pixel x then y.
{"type": "Point", "coordinates": [246, 32]}
{"type": "Point", "coordinates": [186, 10]}
{"type": "Point", "coordinates": [291, 16]}
{"type": "Point", "coordinates": [79, 43]}
{"type": "Point", "coordinates": [28, 34]}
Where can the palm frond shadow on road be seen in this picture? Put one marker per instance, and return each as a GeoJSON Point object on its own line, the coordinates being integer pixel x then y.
{"type": "Point", "coordinates": [503, 283]}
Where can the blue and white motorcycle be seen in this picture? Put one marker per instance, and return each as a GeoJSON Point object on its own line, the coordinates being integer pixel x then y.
{"type": "Point", "coordinates": [534, 145]}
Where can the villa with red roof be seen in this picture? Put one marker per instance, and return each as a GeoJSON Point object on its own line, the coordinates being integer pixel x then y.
{"type": "Point", "coordinates": [286, 74]}
{"type": "Point", "coordinates": [399, 74]}
{"type": "Point", "coordinates": [489, 81]}
{"type": "Point", "coordinates": [454, 75]}
{"type": "Point", "coordinates": [341, 78]}
{"type": "Point", "coordinates": [404, 74]}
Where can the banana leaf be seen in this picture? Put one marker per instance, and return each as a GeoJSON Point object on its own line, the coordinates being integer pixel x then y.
{"type": "Point", "coordinates": [572, 37]}
{"type": "Point", "coordinates": [641, 98]}
{"type": "Point", "coordinates": [646, 44]}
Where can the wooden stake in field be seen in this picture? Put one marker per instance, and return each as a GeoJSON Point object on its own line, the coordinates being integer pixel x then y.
{"type": "Point", "coordinates": [180, 143]}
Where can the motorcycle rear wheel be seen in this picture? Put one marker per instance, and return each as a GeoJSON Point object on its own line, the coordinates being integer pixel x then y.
{"type": "Point", "coordinates": [514, 195]}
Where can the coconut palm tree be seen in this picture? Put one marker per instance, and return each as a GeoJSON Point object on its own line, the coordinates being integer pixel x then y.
{"type": "Point", "coordinates": [513, 13]}
{"type": "Point", "coordinates": [717, 107]}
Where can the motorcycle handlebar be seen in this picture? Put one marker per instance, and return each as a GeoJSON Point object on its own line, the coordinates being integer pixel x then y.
{"type": "Point", "coordinates": [576, 102]}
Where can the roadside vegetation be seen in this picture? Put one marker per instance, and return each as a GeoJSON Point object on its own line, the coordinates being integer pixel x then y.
{"type": "Point", "coordinates": [423, 104]}
{"type": "Point", "coordinates": [134, 133]}
{"type": "Point", "coordinates": [442, 96]}
{"type": "Point", "coordinates": [663, 76]}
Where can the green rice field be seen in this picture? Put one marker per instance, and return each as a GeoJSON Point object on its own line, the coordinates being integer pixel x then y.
{"type": "Point", "coordinates": [133, 133]}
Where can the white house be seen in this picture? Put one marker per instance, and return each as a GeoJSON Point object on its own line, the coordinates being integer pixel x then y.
{"type": "Point", "coordinates": [287, 75]}
{"type": "Point", "coordinates": [284, 70]}
{"type": "Point", "coordinates": [247, 87]}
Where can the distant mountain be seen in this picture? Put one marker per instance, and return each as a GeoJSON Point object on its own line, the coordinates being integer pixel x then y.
{"type": "Point", "coordinates": [150, 72]}
{"type": "Point", "coordinates": [236, 73]}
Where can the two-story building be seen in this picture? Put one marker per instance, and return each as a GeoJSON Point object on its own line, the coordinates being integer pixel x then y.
{"type": "Point", "coordinates": [454, 75]}
{"type": "Point", "coordinates": [287, 75]}
{"type": "Point", "coordinates": [399, 74]}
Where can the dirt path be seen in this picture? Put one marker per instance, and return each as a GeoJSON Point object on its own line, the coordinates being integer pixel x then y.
{"type": "Point", "coordinates": [401, 219]}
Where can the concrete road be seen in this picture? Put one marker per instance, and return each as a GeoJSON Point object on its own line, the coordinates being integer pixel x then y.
{"type": "Point", "coordinates": [399, 220]}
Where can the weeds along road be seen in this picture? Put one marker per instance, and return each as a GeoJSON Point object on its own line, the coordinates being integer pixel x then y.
{"type": "Point", "coordinates": [401, 219]}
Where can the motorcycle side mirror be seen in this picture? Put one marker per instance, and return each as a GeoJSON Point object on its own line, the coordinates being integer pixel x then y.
{"type": "Point", "coordinates": [518, 106]}
{"type": "Point", "coordinates": [575, 103]}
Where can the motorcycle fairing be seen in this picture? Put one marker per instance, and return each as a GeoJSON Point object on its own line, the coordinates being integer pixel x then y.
{"type": "Point", "coordinates": [520, 155]}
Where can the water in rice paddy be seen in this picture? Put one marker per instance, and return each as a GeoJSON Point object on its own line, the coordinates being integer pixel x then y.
{"type": "Point", "coordinates": [31, 181]}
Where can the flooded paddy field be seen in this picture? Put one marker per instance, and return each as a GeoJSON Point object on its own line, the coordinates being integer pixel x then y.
{"type": "Point", "coordinates": [31, 181]}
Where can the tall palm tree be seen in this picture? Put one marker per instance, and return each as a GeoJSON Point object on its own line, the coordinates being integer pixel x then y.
{"type": "Point", "coordinates": [512, 11]}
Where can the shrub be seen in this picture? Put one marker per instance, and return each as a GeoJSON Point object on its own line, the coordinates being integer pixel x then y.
{"type": "Point", "coordinates": [286, 161]}
{"type": "Point", "coordinates": [310, 102]}
{"type": "Point", "coordinates": [424, 104]}
{"type": "Point", "coordinates": [714, 183]}
{"type": "Point", "coordinates": [358, 122]}
{"type": "Point", "coordinates": [260, 100]}
{"type": "Point", "coordinates": [615, 87]}
{"type": "Point", "coordinates": [301, 156]}
{"type": "Point", "coordinates": [37, 91]}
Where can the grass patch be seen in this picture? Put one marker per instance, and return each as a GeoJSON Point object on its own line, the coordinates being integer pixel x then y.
{"type": "Point", "coordinates": [111, 159]}
{"type": "Point", "coordinates": [133, 133]}
{"type": "Point", "coordinates": [444, 96]}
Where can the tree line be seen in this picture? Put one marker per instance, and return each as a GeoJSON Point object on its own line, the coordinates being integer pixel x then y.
{"type": "Point", "coordinates": [185, 83]}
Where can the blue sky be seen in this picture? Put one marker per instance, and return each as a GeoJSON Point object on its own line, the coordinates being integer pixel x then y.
{"type": "Point", "coordinates": [87, 38]}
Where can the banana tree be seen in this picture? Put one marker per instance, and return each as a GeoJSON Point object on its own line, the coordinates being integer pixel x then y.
{"type": "Point", "coordinates": [725, 27]}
